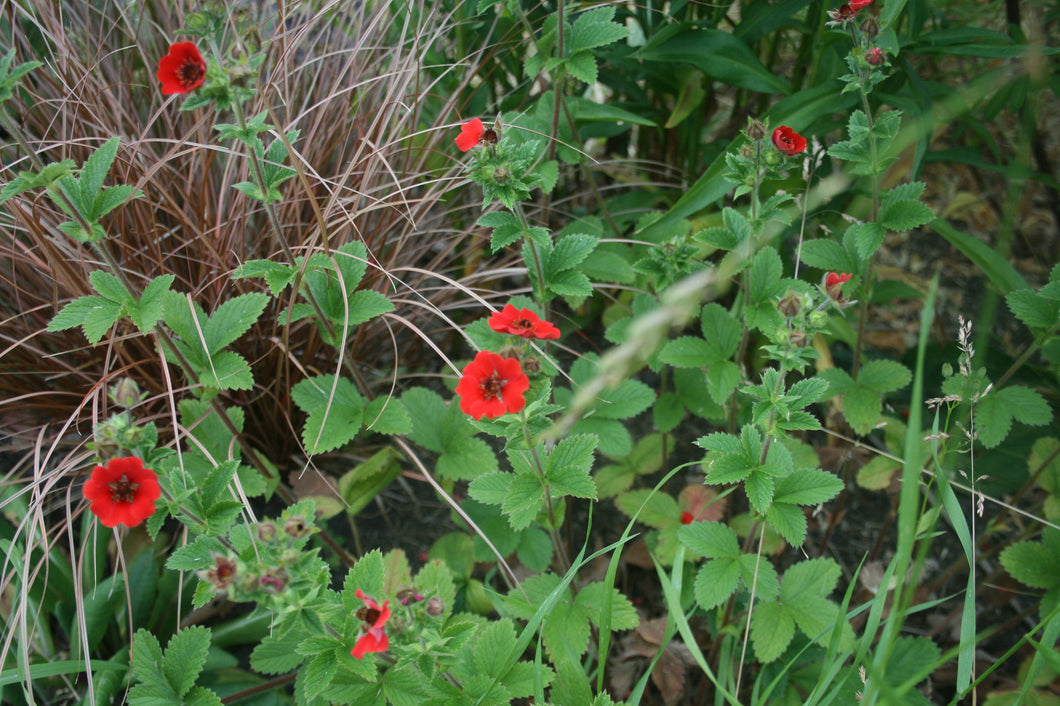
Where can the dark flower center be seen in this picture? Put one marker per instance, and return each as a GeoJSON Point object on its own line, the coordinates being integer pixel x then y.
{"type": "Point", "coordinates": [190, 73]}
{"type": "Point", "coordinates": [523, 324]}
{"type": "Point", "coordinates": [122, 490]}
{"type": "Point", "coordinates": [492, 386]}
{"type": "Point", "coordinates": [368, 615]}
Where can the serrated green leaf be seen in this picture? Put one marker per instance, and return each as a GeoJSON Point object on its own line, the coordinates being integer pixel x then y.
{"type": "Point", "coordinates": [569, 252]}
{"type": "Point", "coordinates": [759, 488]}
{"type": "Point", "coordinates": [1032, 564]}
{"type": "Point", "coordinates": [275, 654]}
{"type": "Point", "coordinates": [318, 673]}
{"type": "Point", "coordinates": [232, 319]}
{"type": "Point", "coordinates": [227, 370]}
{"type": "Point", "coordinates": [764, 274]}
{"type": "Point", "coordinates": [772, 629]}
{"type": "Point", "coordinates": [582, 66]}
{"type": "Point", "coordinates": [367, 575]}
{"type": "Point", "coordinates": [816, 616]}
{"type": "Point", "coordinates": [387, 415]}
{"type": "Point", "coordinates": [827, 255]}
{"type": "Point", "coordinates": [466, 458]}
{"type": "Point", "coordinates": [720, 330]}
{"type": "Point", "coordinates": [201, 696]}
{"type": "Point", "coordinates": [862, 408]}
{"type": "Point", "coordinates": [807, 486]}
{"type": "Point", "coordinates": [809, 577]}
{"type": "Point", "coordinates": [110, 198]}
{"type": "Point", "coordinates": [366, 304]}
{"type": "Point", "coordinates": [660, 510]}
{"type": "Point", "coordinates": [788, 521]}
{"type": "Point", "coordinates": [75, 312]}
{"type": "Point", "coordinates": [195, 555]}
{"type": "Point", "coordinates": [525, 499]}
{"type": "Point", "coordinates": [147, 661]}
{"type": "Point", "coordinates": [591, 599]}
{"type": "Point", "coordinates": [687, 352]}
{"type": "Point", "coordinates": [94, 171]}
{"type": "Point", "coordinates": [867, 238]}
{"type": "Point", "coordinates": [185, 657]}
{"type": "Point", "coordinates": [595, 29]}
{"type": "Point", "coordinates": [711, 540]}
{"type": "Point", "coordinates": [109, 287]}
{"type": "Point", "coordinates": [884, 376]}
{"type": "Point", "coordinates": [629, 399]}
{"type": "Point", "coordinates": [716, 581]}
{"type": "Point", "coordinates": [334, 417]}
{"type": "Point", "coordinates": [1033, 310]}
{"type": "Point", "coordinates": [1027, 405]}
{"type": "Point", "coordinates": [905, 215]}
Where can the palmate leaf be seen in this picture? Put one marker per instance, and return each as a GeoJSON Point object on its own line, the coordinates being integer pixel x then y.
{"type": "Point", "coordinates": [335, 411]}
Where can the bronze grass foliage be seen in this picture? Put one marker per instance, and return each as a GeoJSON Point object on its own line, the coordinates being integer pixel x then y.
{"type": "Point", "coordinates": [374, 160]}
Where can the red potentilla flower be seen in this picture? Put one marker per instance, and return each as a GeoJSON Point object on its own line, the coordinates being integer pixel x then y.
{"type": "Point", "coordinates": [858, 5]}
{"type": "Point", "coordinates": [788, 141]}
{"type": "Point", "coordinates": [182, 69]}
{"type": "Point", "coordinates": [833, 284]}
{"type": "Point", "coordinates": [122, 492]}
{"type": "Point", "coordinates": [492, 386]}
{"type": "Point", "coordinates": [687, 518]}
{"type": "Point", "coordinates": [374, 617]}
{"type": "Point", "coordinates": [875, 56]}
{"type": "Point", "coordinates": [522, 322]}
{"type": "Point", "coordinates": [470, 134]}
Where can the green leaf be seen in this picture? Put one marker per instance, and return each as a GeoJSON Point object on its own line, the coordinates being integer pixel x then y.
{"type": "Point", "coordinates": [150, 308]}
{"type": "Point", "coordinates": [772, 629]}
{"type": "Point", "coordinates": [720, 330]}
{"type": "Point", "coordinates": [759, 488]}
{"type": "Point", "coordinates": [660, 510]}
{"type": "Point", "coordinates": [716, 53]}
{"type": "Point", "coordinates": [147, 662]}
{"type": "Point", "coordinates": [466, 458]}
{"type": "Point", "coordinates": [275, 654]}
{"type": "Point", "coordinates": [525, 499]}
{"type": "Point", "coordinates": [334, 417]}
{"type": "Point", "coordinates": [196, 555]}
{"type": "Point", "coordinates": [627, 400]}
{"type": "Point", "coordinates": [367, 575]}
{"type": "Point", "coordinates": [109, 199]}
{"type": "Point", "coordinates": [884, 376]}
{"type": "Point", "coordinates": [716, 581]}
{"type": "Point", "coordinates": [807, 486]}
{"type": "Point", "coordinates": [95, 169]}
{"type": "Point", "coordinates": [232, 319]}
{"type": "Point", "coordinates": [227, 370]}
{"type": "Point", "coordinates": [789, 522]}
{"type": "Point", "coordinates": [710, 539]}
{"type": "Point", "coordinates": [318, 673]}
{"type": "Point", "coordinates": [367, 304]}
{"type": "Point", "coordinates": [109, 287]}
{"type": "Point", "coordinates": [1032, 309]}
{"type": "Point", "coordinates": [201, 696]}
{"type": "Point", "coordinates": [1027, 405]}
{"type": "Point", "coordinates": [1031, 563]}
{"type": "Point", "coordinates": [569, 464]}
{"type": "Point", "coordinates": [595, 29]}
{"type": "Point", "coordinates": [185, 657]}
{"type": "Point", "coordinates": [764, 274]}
{"type": "Point", "coordinates": [862, 408]}
{"type": "Point", "coordinates": [809, 577]}
{"type": "Point", "coordinates": [387, 415]}
{"type": "Point", "coordinates": [867, 238]}
{"type": "Point", "coordinates": [687, 352]}
{"type": "Point", "coordinates": [827, 255]}
{"type": "Point", "coordinates": [905, 215]}
{"type": "Point", "coordinates": [582, 66]}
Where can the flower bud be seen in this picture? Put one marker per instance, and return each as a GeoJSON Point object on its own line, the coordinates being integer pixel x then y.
{"type": "Point", "coordinates": [818, 319]}
{"type": "Point", "coordinates": [266, 531]}
{"type": "Point", "coordinates": [875, 56]}
{"type": "Point", "coordinates": [755, 129]}
{"type": "Point", "coordinates": [125, 393]}
{"type": "Point", "coordinates": [798, 338]}
{"type": "Point", "coordinates": [790, 305]}
{"type": "Point", "coordinates": [870, 27]}
{"type": "Point", "coordinates": [274, 580]}
{"type": "Point", "coordinates": [501, 175]}
{"type": "Point", "coordinates": [435, 607]}
{"type": "Point", "coordinates": [223, 573]}
{"type": "Point", "coordinates": [532, 365]}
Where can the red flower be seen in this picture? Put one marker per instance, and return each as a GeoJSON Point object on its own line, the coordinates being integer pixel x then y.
{"type": "Point", "coordinates": [788, 141]}
{"type": "Point", "coordinates": [182, 69]}
{"type": "Point", "coordinates": [842, 14]}
{"type": "Point", "coordinates": [833, 284]}
{"type": "Point", "coordinates": [522, 322]}
{"type": "Point", "coordinates": [470, 134]}
{"type": "Point", "coordinates": [687, 518]}
{"type": "Point", "coordinates": [122, 492]}
{"type": "Point", "coordinates": [492, 386]}
{"type": "Point", "coordinates": [858, 5]}
{"type": "Point", "coordinates": [374, 617]}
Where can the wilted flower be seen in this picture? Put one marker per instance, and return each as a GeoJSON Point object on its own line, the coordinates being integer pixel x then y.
{"type": "Point", "coordinates": [833, 284]}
